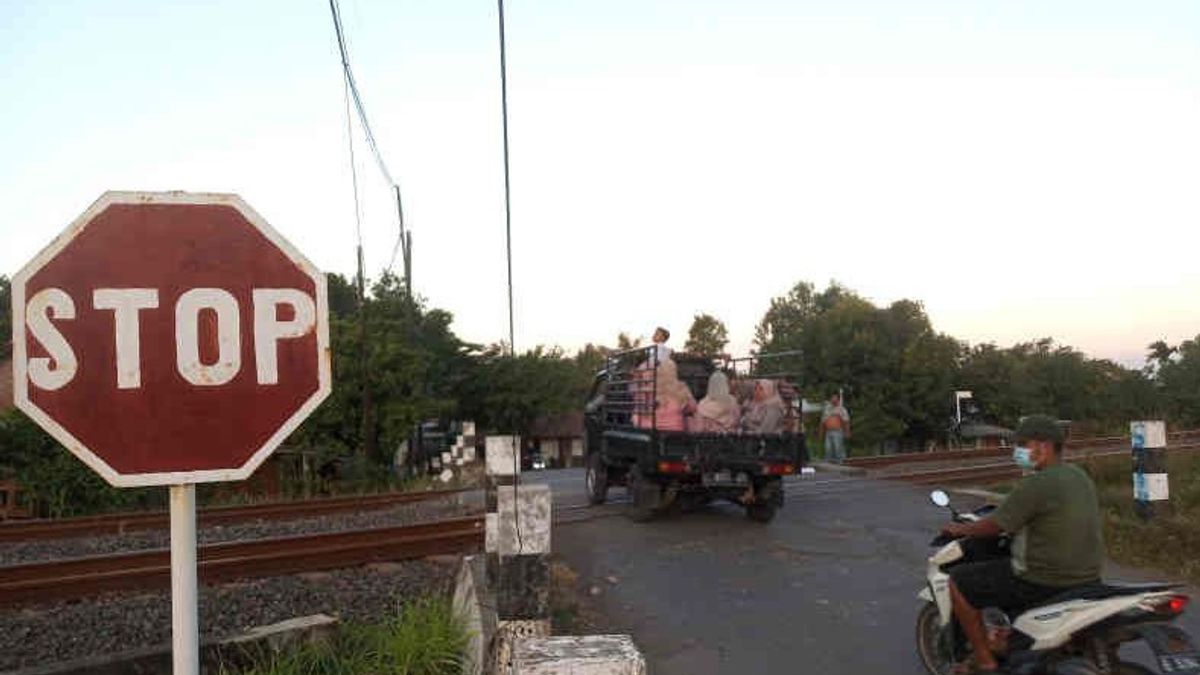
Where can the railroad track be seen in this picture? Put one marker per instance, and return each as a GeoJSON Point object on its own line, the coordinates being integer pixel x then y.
{"type": "Point", "coordinates": [1083, 444]}
{"type": "Point", "coordinates": [143, 570]}
{"type": "Point", "coordinates": [985, 474]}
{"type": "Point", "coordinates": [120, 523]}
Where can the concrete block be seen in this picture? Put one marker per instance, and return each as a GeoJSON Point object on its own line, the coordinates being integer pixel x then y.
{"type": "Point", "coordinates": [507, 633]}
{"type": "Point", "coordinates": [502, 455]}
{"type": "Point", "coordinates": [473, 606]}
{"type": "Point", "coordinates": [289, 633]}
{"type": "Point", "coordinates": [447, 458]}
{"type": "Point", "coordinates": [491, 533]}
{"type": "Point", "coordinates": [577, 655]}
{"type": "Point", "coordinates": [521, 584]}
{"type": "Point", "coordinates": [468, 429]}
{"type": "Point", "coordinates": [529, 508]}
{"type": "Point", "coordinates": [469, 455]}
{"type": "Point", "coordinates": [446, 476]}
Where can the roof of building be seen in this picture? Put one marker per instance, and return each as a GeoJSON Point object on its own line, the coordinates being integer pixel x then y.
{"type": "Point", "coordinates": [560, 425]}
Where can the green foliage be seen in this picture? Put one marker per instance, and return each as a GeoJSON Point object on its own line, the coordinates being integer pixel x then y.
{"type": "Point", "coordinates": [508, 394]}
{"type": "Point", "coordinates": [5, 310]}
{"type": "Point", "coordinates": [896, 371]}
{"type": "Point", "coordinates": [707, 335]}
{"type": "Point", "coordinates": [394, 360]}
{"type": "Point", "coordinates": [1170, 543]}
{"type": "Point", "coordinates": [1178, 374]}
{"type": "Point", "coordinates": [424, 638]}
{"type": "Point", "coordinates": [62, 485]}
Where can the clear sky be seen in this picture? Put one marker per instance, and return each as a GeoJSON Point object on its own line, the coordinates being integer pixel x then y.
{"type": "Point", "coordinates": [1025, 169]}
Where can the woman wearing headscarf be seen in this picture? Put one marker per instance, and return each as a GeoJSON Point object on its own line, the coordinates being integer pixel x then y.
{"type": "Point", "coordinates": [718, 411]}
{"type": "Point", "coordinates": [673, 398]}
{"type": "Point", "coordinates": [766, 413]}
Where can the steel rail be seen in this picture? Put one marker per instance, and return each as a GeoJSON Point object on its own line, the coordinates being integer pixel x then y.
{"type": "Point", "coordinates": [874, 461]}
{"type": "Point", "coordinates": [120, 523]}
{"type": "Point", "coordinates": [146, 570]}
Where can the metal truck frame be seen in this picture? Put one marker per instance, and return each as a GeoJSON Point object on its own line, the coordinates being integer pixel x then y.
{"type": "Point", "coordinates": [664, 469]}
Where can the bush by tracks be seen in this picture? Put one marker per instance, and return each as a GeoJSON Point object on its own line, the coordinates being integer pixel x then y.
{"type": "Point", "coordinates": [423, 638]}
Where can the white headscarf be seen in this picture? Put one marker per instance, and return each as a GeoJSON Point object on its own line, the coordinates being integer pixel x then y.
{"type": "Point", "coordinates": [718, 409]}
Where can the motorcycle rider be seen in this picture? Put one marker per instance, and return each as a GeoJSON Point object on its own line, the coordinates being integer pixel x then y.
{"type": "Point", "coordinates": [1055, 519]}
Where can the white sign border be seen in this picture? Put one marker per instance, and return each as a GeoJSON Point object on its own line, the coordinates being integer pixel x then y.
{"type": "Point", "coordinates": [76, 447]}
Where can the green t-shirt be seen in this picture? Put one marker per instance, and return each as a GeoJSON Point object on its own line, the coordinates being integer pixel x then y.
{"type": "Point", "coordinates": [1056, 520]}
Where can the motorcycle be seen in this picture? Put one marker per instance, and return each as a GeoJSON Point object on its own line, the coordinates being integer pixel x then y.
{"type": "Point", "coordinates": [1078, 632]}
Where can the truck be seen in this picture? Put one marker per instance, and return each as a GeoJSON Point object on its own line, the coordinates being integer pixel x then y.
{"type": "Point", "coordinates": [662, 469]}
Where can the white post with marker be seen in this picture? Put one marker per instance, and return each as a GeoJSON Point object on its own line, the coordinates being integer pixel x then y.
{"type": "Point", "coordinates": [185, 610]}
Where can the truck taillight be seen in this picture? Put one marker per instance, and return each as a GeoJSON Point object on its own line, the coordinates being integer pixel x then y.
{"type": "Point", "coordinates": [672, 467]}
{"type": "Point", "coordinates": [779, 469]}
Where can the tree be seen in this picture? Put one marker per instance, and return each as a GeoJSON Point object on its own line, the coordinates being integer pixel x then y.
{"type": "Point", "coordinates": [896, 371]}
{"type": "Point", "coordinates": [5, 310]}
{"type": "Point", "coordinates": [707, 335]}
{"type": "Point", "coordinates": [1179, 382]}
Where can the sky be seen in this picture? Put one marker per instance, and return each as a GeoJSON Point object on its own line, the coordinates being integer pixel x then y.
{"type": "Point", "coordinates": [1025, 169]}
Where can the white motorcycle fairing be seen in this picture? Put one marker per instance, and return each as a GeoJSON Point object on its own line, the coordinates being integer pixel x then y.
{"type": "Point", "coordinates": [1052, 626]}
{"type": "Point", "coordinates": [938, 589]}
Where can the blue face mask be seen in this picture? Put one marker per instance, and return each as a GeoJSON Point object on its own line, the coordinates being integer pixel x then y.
{"type": "Point", "coordinates": [1023, 457]}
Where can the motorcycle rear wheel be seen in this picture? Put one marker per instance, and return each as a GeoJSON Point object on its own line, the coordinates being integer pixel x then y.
{"type": "Point", "coordinates": [935, 643]}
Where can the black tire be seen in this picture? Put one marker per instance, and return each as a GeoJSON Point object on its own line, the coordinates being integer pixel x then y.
{"type": "Point", "coordinates": [596, 480]}
{"type": "Point", "coordinates": [935, 643]}
{"type": "Point", "coordinates": [762, 512]}
{"type": "Point", "coordinates": [645, 494]}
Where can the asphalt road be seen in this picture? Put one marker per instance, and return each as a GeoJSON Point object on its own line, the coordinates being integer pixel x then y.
{"type": "Point", "coordinates": [828, 587]}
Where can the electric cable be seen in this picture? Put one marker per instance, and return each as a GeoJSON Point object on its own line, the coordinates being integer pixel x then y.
{"type": "Point", "coordinates": [403, 238]}
{"type": "Point", "coordinates": [512, 347]}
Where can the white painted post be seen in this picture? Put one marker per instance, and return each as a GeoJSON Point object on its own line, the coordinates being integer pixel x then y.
{"type": "Point", "coordinates": [185, 614]}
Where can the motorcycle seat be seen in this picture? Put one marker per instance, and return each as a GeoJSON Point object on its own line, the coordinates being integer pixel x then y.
{"type": "Point", "coordinates": [1101, 591]}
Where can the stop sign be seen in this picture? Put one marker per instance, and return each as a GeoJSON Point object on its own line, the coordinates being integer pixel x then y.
{"type": "Point", "coordinates": [170, 338]}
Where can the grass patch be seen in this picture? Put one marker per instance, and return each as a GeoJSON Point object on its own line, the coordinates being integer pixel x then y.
{"type": "Point", "coordinates": [1169, 543]}
{"type": "Point", "coordinates": [424, 638]}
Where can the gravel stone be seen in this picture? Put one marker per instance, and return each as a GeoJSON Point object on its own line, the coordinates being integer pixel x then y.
{"type": "Point", "coordinates": [462, 504]}
{"type": "Point", "coordinates": [63, 631]}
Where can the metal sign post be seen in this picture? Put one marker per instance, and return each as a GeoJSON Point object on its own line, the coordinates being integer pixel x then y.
{"type": "Point", "coordinates": [185, 612]}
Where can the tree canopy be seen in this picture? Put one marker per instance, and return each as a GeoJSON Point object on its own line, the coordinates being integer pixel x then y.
{"type": "Point", "coordinates": [707, 335]}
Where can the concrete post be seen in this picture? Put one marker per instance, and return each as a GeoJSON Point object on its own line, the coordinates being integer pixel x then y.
{"type": "Point", "coordinates": [585, 655]}
{"type": "Point", "coordinates": [1151, 490]}
{"type": "Point", "coordinates": [517, 541]}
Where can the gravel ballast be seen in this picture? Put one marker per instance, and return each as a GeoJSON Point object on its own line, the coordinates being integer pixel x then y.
{"type": "Point", "coordinates": [450, 506]}
{"type": "Point", "coordinates": [64, 631]}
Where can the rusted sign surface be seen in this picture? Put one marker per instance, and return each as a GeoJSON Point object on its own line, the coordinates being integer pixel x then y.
{"type": "Point", "coordinates": [170, 337]}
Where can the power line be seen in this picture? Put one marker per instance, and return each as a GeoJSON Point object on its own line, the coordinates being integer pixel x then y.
{"type": "Point", "coordinates": [403, 237]}
{"type": "Point", "coordinates": [512, 347]}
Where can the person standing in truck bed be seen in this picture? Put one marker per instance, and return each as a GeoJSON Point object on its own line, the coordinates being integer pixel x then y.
{"type": "Point", "coordinates": [835, 428]}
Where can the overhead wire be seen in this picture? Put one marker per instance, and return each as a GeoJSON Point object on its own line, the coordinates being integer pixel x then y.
{"type": "Point", "coordinates": [403, 237]}
{"type": "Point", "coordinates": [512, 347]}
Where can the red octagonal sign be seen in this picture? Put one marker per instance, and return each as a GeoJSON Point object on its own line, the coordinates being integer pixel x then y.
{"type": "Point", "coordinates": [170, 338]}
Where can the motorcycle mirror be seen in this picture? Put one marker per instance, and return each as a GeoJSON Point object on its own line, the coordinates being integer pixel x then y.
{"type": "Point", "coordinates": [940, 498]}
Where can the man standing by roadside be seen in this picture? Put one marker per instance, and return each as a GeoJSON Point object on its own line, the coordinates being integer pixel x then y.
{"type": "Point", "coordinates": [835, 429]}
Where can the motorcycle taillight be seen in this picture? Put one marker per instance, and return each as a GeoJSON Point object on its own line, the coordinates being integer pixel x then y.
{"type": "Point", "coordinates": [1171, 605]}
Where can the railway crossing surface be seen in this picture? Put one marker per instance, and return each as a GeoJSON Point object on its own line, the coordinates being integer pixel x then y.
{"type": "Point", "coordinates": [828, 587]}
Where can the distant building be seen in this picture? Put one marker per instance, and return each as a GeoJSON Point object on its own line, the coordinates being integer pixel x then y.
{"type": "Point", "coordinates": [980, 436]}
{"type": "Point", "coordinates": [559, 438]}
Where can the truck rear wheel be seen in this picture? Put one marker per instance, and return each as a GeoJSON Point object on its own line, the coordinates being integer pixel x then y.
{"type": "Point", "coordinates": [768, 499]}
{"type": "Point", "coordinates": [596, 479]}
{"type": "Point", "coordinates": [762, 512]}
{"type": "Point", "coordinates": [645, 494]}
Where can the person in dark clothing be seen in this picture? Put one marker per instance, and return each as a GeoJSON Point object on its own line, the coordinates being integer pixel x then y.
{"type": "Point", "coordinates": [1054, 516]}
